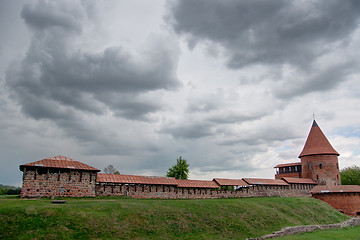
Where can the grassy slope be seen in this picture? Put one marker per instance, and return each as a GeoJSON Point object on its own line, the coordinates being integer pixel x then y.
{"type": "Point", "coordinates": [352, 233]}
{"type": "Point", "coordinates": [160, 219]}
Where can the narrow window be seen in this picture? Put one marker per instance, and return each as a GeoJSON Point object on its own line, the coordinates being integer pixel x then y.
{"type": "Point", "coordinates": [320, 166]}
{"type": "Point", "coordinates": [309, 166]}
{"type": "Point", "coordinates": [317, 177]}
{"type": "Point", "coordinates": [80, 177]}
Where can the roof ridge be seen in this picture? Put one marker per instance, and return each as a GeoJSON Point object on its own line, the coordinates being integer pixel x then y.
{"type": "Point", "coordinates": [59, 157]}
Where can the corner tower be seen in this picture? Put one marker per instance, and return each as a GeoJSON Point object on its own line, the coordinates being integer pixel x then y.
{"type": "Point", "coordinates": [319, 160]}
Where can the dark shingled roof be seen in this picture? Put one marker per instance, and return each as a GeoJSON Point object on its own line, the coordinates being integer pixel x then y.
{"type": "Point", "coordinates": [134, 179]}
{"type": "Point", "coordinates": [230, 182]}
{"type": "Point", "coordinates": [316, 143]}
{"type": "Point", "coordinates": [59, 162]}
{"type": "Point", "coordinates": [335, 189]}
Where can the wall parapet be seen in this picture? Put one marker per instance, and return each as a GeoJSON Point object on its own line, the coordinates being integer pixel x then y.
{"type": "Point", "coordinates": [173, 192]}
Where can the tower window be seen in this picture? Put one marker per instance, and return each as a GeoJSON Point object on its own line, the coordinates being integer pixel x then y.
{"type": "Point", "coordinates": [320, 166]}
{"type": "Point", "coordinates": [309, 166]}
{"type": "Point", "coordinates": [317, 177]}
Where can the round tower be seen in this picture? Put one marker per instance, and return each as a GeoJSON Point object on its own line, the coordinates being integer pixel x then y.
{"type": "Point", "coordinates": [319, 160]}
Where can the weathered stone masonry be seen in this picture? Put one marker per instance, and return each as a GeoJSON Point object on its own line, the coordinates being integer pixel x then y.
{"type": "Point", "coordinates": [173, 192]}
{"type": "Point", "coordinates": [47, 182]}
{"type": "Point", "coordinates": [63, 177]}
{"type": "Point", "coordinates": [58, 176]}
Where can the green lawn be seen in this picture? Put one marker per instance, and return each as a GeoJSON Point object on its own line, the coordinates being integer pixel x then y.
{"type": "Point", "coordinates": [126, 218]}
{"type": "Point", "coordinates": [352, 233]}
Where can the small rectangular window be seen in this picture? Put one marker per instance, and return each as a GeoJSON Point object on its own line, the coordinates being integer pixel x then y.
{"type": "Point", "coordinates": [309, 166]}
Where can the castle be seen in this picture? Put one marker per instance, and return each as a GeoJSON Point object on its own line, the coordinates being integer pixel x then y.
{"type": "Point", "coordinates": [316, 174]}
{"type": "Point", "coordinates": [319, 161]}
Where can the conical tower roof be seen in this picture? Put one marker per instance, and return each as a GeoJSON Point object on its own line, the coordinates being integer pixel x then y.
{"type": "Point", "coordinates": [317, 143]}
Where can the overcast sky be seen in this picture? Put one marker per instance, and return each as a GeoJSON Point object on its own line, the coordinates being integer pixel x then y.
{"type": "Point", "coordinates": [231, 86]}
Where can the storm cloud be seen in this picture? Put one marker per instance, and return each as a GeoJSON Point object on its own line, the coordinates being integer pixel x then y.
{"type": "Point", "coordinates": [55, 79]}
{"type": "Point", "coordinates": [231, 86]}
{"type": "Point", "coordinates": [294, 37]}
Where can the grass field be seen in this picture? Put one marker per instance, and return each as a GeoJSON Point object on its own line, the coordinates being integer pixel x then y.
{"type": "Point", "coordinates": [125, 218]}
{"type": "Point", "coordinates": [352, 233]}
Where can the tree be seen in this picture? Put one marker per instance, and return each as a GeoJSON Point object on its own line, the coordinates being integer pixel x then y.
{"type": "Point", "coordinates": [180, 170]}
{"type": "Point", "coordinates": [350, 175]}
{"type": "Point", "coordinates": [111, 170]}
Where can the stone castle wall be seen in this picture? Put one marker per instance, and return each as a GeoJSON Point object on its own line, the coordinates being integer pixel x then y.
{"type": "Point", "coordinates": [293, 175]}
{"type": "Point", "coordinates": [348, 203]}
{"type": "Point", "coordinates": [323, 169]}
{"type": "Point", "coordinates": [173, 192]}
{"type": "Point", "coordinates": [50, 182]}
{"type": "Point", "coordinates": [44, 182]}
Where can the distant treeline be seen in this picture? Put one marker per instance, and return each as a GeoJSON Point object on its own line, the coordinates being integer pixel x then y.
{"type": "Point", "coordinates": [9, 190]}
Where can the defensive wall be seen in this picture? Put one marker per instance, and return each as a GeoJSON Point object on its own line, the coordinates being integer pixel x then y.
{"type": "Point", "coordinates": [64, 177]}
{"type": "Point", "coordinates": [170, 188]}
{"type": "Point", "coordinates": [173, 192]}
{"type": "Point", "coordinates": [345, 198]}
{"type": "Point", "coordinates": [58, 176]}
{"type": "Point", "coordinates": [61, 182]}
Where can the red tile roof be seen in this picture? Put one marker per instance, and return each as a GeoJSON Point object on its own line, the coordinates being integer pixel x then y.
{"type": "Point", "coordinates": [259, 181]}
{"type": "Point", "coordinates": [298, 180]}
{"type": "Point", "coordinates": [317, 143]}
{"type": "Point", "coordinates": [59, 162]}
{"type": "Point", "coordinates": [288, 165]}
{"type": "Point", "coordinates": [335, 189]}
{"type": "Point", "coordinates": [230, 182]}
{"type": "Point", "coordinates": [134, 179]}
{"type": "Point", "coordinates": [196, 184]}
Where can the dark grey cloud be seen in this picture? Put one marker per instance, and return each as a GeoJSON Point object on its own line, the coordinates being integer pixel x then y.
{"type": "Point", "coordinates": [189, 130]}
{"type": "Point", "coordinates": [274, 33]}
{"type": "Point", "coordinates": [54, 78]}
{"type": "Point", "coordinates": [46, 14]}
{"type": "Point", "coordinates": [267, 32]}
